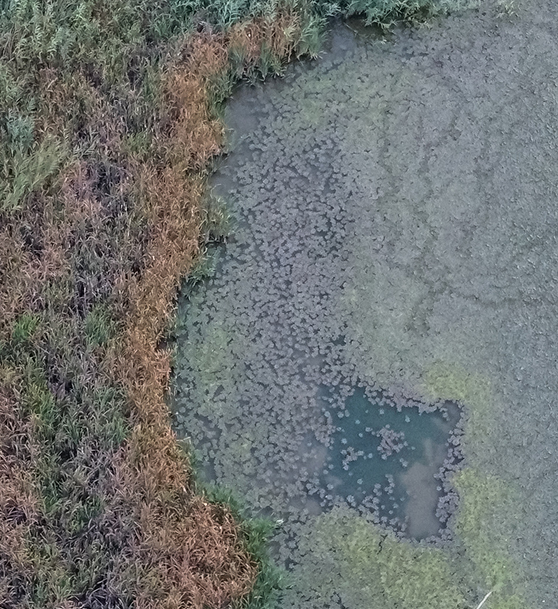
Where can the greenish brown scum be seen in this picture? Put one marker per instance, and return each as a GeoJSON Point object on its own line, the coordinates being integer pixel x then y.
{"type": "Point", "coordinates": [107, 125]}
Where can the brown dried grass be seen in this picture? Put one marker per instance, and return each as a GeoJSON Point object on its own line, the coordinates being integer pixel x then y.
{"type": "Point", "coordinates": [279, 36]}
{"type": "Point", "coordinates": [195, 547]}
{"type": "Point", "coordinates": [77, 245]}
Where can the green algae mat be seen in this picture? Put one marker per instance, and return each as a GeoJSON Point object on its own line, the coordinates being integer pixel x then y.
{"type": "Point", "coordinates": [371, 359]}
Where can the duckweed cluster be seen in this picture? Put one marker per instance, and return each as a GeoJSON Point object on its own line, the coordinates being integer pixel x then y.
{"type": "Point", "coordinates": [373, 359]}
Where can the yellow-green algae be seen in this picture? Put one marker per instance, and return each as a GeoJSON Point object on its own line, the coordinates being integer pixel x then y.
{"type": "Point", "coordinates": [347, 555]}
{"type": "Point", "coordinates": [366, 567]}
{"type": "Point", "coordinates": [483, 497]}
{"type": "Point", "coordinates": [450, 381]}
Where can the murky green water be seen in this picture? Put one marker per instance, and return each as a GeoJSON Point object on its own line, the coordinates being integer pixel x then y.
{"type": "Point", "coordinates": [391, 462]}
{"type": "Point", "coordinates": [395, 255]}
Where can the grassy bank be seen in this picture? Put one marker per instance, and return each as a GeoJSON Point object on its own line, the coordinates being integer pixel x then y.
{"type": "Point", "coordinates": [107, 123]}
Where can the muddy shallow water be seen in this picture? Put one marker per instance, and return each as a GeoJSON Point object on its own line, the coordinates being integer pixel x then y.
{"type": "Point", "coordinates": [387, 305]}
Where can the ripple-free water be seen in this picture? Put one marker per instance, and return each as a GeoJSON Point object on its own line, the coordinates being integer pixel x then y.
{"type": "Point", "coordinates": [392, 462]}
{"type": "Point", "coordinates": [388, 298]}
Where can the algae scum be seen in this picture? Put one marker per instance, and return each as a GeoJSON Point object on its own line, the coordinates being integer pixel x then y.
{"type": "Point", "coordinates": [373, 359]}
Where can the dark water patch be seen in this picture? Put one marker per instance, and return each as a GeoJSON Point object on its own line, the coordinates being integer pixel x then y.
{"type": "Point", "coordinates": [386, 457]}
{"type": "Point", "coordinates": [391, 458]}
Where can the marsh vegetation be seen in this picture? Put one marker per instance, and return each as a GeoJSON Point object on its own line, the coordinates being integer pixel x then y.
{"type": "Point", "coordinates": [109, 120]}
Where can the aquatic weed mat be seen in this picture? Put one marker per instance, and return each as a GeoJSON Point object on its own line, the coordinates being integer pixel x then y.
{"type": "Point", "coordinates": [394, 210]}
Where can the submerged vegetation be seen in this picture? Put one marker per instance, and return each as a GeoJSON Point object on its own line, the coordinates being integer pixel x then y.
{"type": "Point", "coordinates": [293, 360]}
{"type": "Point", "coordinates": [108, 119]}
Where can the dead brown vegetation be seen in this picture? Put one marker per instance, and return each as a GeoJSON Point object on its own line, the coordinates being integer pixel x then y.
{"type": "Point", "coordinates": [97, 506]}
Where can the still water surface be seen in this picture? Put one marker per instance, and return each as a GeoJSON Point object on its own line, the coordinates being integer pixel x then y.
{"type": "Point", "coordinates": [385, 315]}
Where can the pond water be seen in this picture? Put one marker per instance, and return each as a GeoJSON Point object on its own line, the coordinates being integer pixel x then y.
{"type": "Point", "coordinates": [373, 359]}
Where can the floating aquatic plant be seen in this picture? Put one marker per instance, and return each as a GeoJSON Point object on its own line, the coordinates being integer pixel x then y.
{"type": "Point", "coordinates": [366, 259]}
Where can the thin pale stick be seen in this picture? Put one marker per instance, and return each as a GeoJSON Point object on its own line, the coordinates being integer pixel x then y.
{"type": "Point", "coordinates": [484, 600]}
